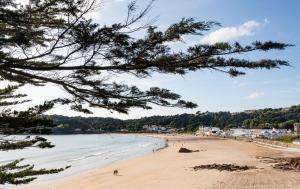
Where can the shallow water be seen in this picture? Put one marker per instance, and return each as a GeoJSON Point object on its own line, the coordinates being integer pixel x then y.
{"type": "Point", "coordinates": [83, 152]}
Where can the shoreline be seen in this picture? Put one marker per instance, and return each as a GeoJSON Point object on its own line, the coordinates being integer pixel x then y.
{"type": "Point", "coordinates": [63, 177]}
{"type": "Point", "coordinates": [167, 168]}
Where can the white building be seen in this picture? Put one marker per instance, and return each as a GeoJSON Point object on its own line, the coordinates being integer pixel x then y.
{"type": "Point", "coordinates": [240, 132]}
{"type": "Point", "coordinates": [209, 131]}
{"type": "Point", "coordinates": [297, 128]}
{"type": "Point", "coordinates": [151, 128]}
{"type": "Point", "coordinates": [258, 133]}
{"type": "Point", "coordinates": [296, 142]}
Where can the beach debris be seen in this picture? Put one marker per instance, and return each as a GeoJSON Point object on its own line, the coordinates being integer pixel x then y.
{"type": "Point", "coordinates": [284, 163]}
{"type": "Point", "coordinates": [224, 167]}
{"type": "Point", "coordinates": [185, 150]}
{"type": "Point", "coordinates": [116, 172]}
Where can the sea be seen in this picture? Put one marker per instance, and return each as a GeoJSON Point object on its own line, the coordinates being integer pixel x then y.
{"type": "Point", "coordinates": [82, 152]}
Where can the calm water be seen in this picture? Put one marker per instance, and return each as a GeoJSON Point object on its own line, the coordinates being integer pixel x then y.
{"type": "Point", "coordinates": [84, 152]}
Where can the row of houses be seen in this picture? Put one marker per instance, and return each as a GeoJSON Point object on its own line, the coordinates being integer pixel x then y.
{"type": "Point", "coordinates": [241, 132]}
{"type": "Point", "coordinates": [209, 131]}
{"type": "Point", "coordinates": [160, 129]}
{"type": "Point", "coordinates": [258, 133]}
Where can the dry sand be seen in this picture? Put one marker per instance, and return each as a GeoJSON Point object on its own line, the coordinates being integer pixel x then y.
{"type": "Point", "coordinates": [168, 169]}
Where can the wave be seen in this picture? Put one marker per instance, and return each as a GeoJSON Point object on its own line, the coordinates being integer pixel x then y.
{"type": "Point", "coordinates": [85, 152]}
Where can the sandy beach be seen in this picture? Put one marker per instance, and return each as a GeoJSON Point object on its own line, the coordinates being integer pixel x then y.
{"type": "Point", "coordinates": [169, 169]}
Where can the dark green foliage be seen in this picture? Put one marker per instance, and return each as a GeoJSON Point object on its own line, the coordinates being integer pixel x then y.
{"type": "Point", "coordinates": [16, 121]}
{"type": "Point", "coordinates": [288, 138]}
{"type": "Point", "coordinates": [52, 41]}
{"type": "Point", "coordinates": [45, 144]}
{"type": "Point", "coordinates": [282, 118]}
{"type": "Point", "coordinates": [69, 124]}
{"type": "Point", "coordinates": [12, 173]}
{"type": "Point", "coordinates": [8, 144]}
{"type": "Point", "coordinates": [16, 145]}
{"type": "Point", "coordinates": [13, 122]}
{"type": "Point", "coordinates": [7, 94]}
{"type": "Point", "coordinates": [268, 118]}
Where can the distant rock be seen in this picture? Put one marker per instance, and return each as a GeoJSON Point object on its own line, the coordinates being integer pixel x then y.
{"type": "Point", "coordinates": [185, 150]}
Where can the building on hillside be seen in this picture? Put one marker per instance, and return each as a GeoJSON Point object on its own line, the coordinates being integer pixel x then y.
{"type": "Point", "coordinates": [256, 133]}
{"type": "Point", "coordinates": [249, 111]}
{"type": "Point", "coordinates": [159, 129]}
{"type": "Point", "coordinates": [240, 132]}
{"type": "Point", "coordinates": [215, 131]}
{"type": "Point", "coordinates": [285, 109]}
{"type": "Point", "coordinates": [124, 130]}
{"type": "Point", "coordinates": [201, 130]}
{"type": "Point", "coordinates": [296, 142]}
{"type": "Point", "coordinates": [151, 128]}
{"type": "Point", "coordinates": [171, 130]}
{"type": "Point", "coordinates": [297, 128]}
{"type": "Point", "coordinates": [209, 131]}
{"type": "Point", "coordinates": [78, 130]}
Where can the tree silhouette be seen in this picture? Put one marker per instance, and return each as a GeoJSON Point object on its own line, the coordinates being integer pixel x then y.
{"type": "Point", "coordinates": [12, 173]}
{"type": "Point", "coordinates": [52, 41]}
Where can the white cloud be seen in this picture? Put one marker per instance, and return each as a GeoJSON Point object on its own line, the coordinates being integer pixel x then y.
{"type": "Point", "coordinates": [266, 20]}
{"type": "Point", "coordinates": [255, 95]}
{"type": "Point", "coordinates": [229, 33]}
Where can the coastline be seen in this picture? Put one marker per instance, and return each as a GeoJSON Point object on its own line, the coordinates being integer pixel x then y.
{"type": "Point", "coordinates": [83, 153]}
{"type": "Point", "coordinates": [167, 168]}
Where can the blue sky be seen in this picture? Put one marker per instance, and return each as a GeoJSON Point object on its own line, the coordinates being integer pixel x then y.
{"type": "Point", "coordinates": [244, 21]}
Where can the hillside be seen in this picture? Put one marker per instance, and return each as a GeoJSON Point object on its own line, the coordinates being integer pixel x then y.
{"type": "Point", "coordinates": [264, 118]}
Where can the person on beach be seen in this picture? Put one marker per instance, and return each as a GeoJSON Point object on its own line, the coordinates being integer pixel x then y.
{"type": "Point", "coordinates": [116, 172]}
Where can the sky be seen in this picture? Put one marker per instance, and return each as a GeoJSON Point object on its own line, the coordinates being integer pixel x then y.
{"type": "Point", "coordinates": [243, 21]}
